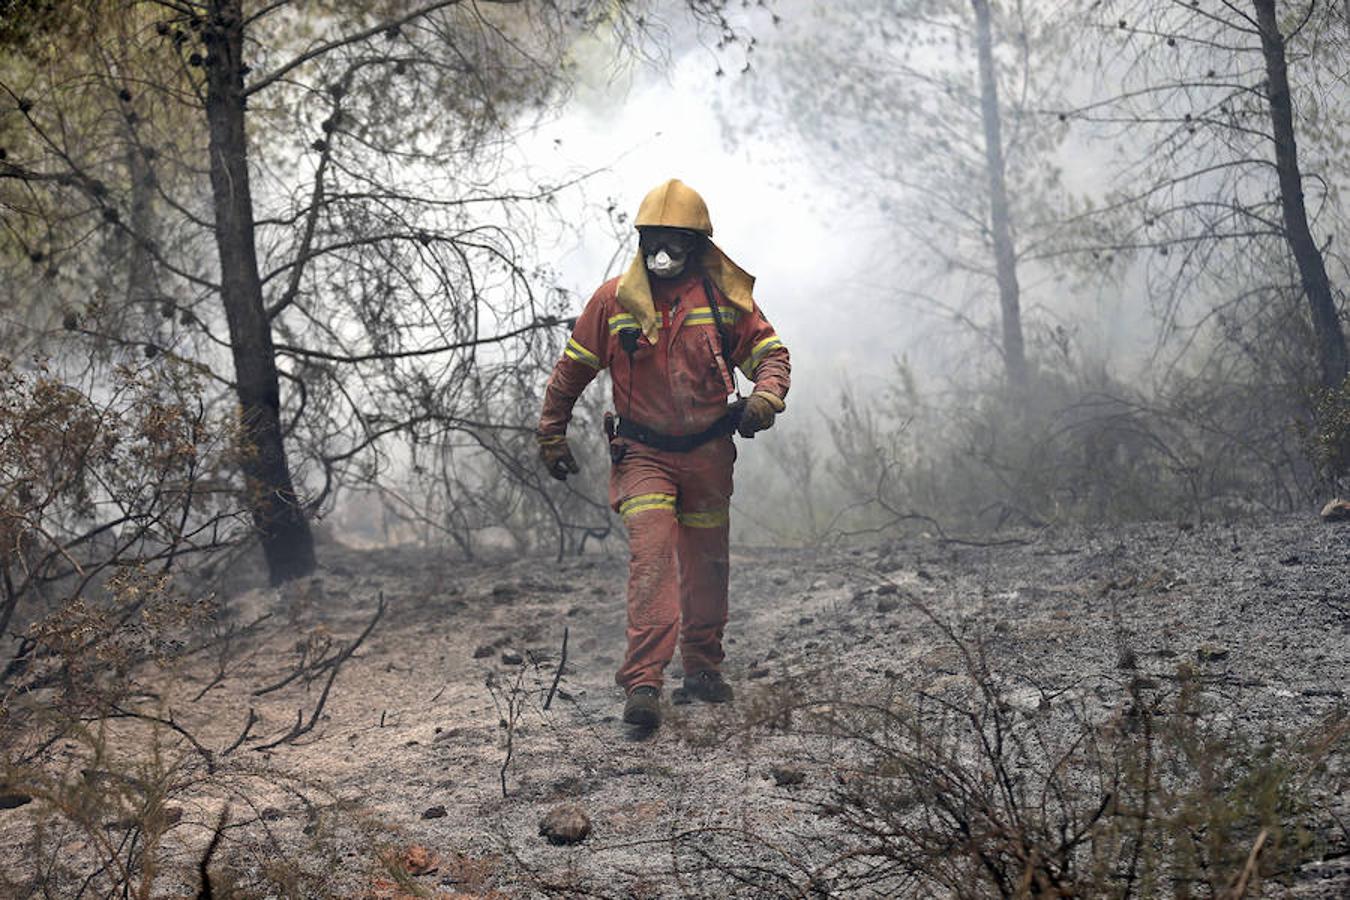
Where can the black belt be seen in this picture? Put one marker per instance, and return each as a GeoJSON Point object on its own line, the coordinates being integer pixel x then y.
{"type": "Point", "coordinates": [679, 443]}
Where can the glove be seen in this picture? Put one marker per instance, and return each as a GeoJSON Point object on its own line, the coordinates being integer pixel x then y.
{"type": "Point", "coordinates": [557, 456]}
{"type": "Point", "coordinates": [758, 413]}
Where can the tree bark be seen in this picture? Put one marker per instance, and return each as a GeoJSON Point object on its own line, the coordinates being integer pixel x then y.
{"type": "Point", "coordinates": [1331, 351]}
{"type": "Point", "coordinates": [278, 516]}
{"type": "Point", "coordinates": [1005, 257]}
{"type": "Point", "coordinates": [140, 271]}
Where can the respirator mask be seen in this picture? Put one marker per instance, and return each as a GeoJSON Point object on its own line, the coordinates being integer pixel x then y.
{"type": "Point", "coordinates": [666, 251]}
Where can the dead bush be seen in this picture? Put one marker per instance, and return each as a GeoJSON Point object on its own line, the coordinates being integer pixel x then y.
{"type": "Point", "coordinates": [103, 492]}
{"type": "Point", "coordinates": [966, 796]}
{"type": "Point", "coordinates": [1077, 446]}
{"type": "Point", "coordinates": [1328, 439]}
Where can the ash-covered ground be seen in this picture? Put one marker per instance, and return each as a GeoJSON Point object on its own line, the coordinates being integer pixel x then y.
{"type": "Point", "coordinates": [412, 746]}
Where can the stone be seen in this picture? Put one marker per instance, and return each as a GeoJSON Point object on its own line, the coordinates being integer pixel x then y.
{"type": "Point", "coordinates": [566, 823]}
{"type": "Point", "coordinates": [13, 800]}
{"type": "Point", "coordinates": [512, 658]}
{"type": "Point", "coordinates": [786, 776]}
{"type": "Point", "coordinates": [1211, 653]}
{"type": "Point", "coordinates": [418, 860]}
{"type": "Point", "coordinates": [887, 604]}
{"type": "Point", "coordinates": [434, 812]}
{"type": "Point", "coordinates": [483, 652]}
{"type": "Point", "coordinates": [1336, 510]}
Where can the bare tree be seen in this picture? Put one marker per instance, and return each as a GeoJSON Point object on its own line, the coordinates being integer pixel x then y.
{"type": "Point", "coordinates": [1208, 109]}
{"type": "Point", "coordinates": [934, 111]}
{"type": "Point", "coordinates": [277, 513]}
{"type": "Point", "coordinates": [1297, 233]}
{"type": "Point", "coordinates": [1005, 255]}
{"type": "Point", "coordinates": [360, 264]}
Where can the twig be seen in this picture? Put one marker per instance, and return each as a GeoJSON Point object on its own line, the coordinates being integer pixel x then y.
{"type": "Point", "coordinates": [558, 672]}
{"type": "Point", "coordinates": [243, 735]}
{"type": "Point", "coordinates": [306, 668]}
{"type": "Point", "coordinates": [234, 631]}
{"type": "Point", "coordinates": [515, 704]}
{"type": "Point", "coordinates": [217, 678]}
{"type": "Point", "coordinates": [1239, 888]}
{"type": "Point", "coordinates": [204, 893]}
{"type": "Point", "coordinates": [119, 713]}
{"type": "Point", "coordinates": [302, 727]}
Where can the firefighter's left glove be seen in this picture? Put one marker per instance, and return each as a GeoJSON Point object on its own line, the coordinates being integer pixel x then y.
{"type": "Point", "coordinates": [758, 414]}
{"type": "Point", "coordinates": [557, 456]}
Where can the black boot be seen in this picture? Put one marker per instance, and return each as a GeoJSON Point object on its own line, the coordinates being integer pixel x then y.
{"type": "Point", "coordinates": [709, 687]}
{"type": "Point", "coordinates": [643, 708]}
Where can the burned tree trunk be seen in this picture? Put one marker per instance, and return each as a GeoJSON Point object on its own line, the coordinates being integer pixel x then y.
{"type": "Point", "coordinates": [1005, 259]}
{"type": "Point", "coordinates": [277, 514]}
{"type": "Point", "coordinates": [1331, 351]}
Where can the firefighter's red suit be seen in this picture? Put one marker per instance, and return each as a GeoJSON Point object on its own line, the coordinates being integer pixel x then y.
{"type": "Point", "coordinates": [674, 504]}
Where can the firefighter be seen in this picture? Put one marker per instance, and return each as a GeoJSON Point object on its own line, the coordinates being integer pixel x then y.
{"type": "Point", "coordinates": [670, 330]}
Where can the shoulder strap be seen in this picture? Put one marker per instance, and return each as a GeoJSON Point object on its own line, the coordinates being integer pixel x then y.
{"type": "Point", "coordinates": [723, 339]}
{"type": "Point", "coordinates": [717, 320]}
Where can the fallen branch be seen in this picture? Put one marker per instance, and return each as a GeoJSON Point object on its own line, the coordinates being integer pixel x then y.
{"type": "Point", "coordinates": [558, 673]}
{"type": "Point", "coordinates": [118, 712]}
{"type": "Point", "coordinates": [1239, 887]}
{"type": "Point", "coordinates": [205, 893]}
{"type": "Point", "coordinates": [243, 735]}
{"type": "Point", "coordinates": [301, 727]}
{"type": "Point", "coordinates": [307, 669]}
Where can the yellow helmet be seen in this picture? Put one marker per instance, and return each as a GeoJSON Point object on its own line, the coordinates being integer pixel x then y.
{"type": "Point", "coordinates": [674, 204]}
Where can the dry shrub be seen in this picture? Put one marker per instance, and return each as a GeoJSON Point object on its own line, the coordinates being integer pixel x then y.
{"type": "Point", "coordinates": [973, 784]}
{"type": "Point", "coordinates": [100, 816]}
{"type": "Point", "coordinates": [103, 492]}
{"type": "Point", "coordinates": [1328, 439]}
{"type": "Point", "coordinates": [1075, 446]}
{"type": "Point", "coordinates": [966, 796]}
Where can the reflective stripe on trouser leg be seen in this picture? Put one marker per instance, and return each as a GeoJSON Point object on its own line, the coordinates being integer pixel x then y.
{"type": "Point", "coordinates": [702, 554]}
{"type": "Point", "coordinates": [653, 595]}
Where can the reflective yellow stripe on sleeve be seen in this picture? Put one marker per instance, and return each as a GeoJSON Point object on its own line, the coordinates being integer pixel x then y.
{"type": "Point", "coordinates": [703, 315]}
{"type": "Point", "coordinates": [581, 354]}
{"type": "Point", "coordinates": [758, 353]}
{"type": "Point", "coordinates": [644, 502]}
{"type": "Point", "coordinates": [622, 321]}
{"type": "Point", "coordinates": [711, 518]}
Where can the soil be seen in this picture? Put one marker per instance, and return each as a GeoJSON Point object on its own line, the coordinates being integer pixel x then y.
{"type": "Point", "coordinates": [411, 749]}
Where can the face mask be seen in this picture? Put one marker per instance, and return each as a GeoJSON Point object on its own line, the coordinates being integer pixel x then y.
{"type": "Point", "coordinates": [663, 265]}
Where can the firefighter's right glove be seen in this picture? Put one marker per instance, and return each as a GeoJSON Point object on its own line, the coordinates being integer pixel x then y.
{"type": "Point", "coordinates": [557, 456]}
{"type": "Point", "coordinates": [758, 414]}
